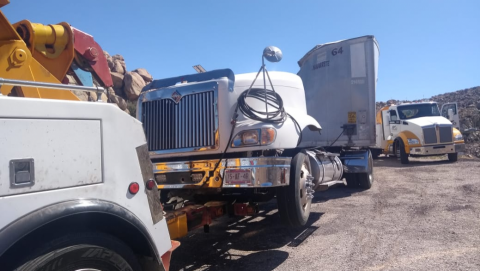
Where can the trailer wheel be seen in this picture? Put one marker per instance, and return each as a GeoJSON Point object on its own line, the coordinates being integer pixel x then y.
{"type": "Point", "coordinates": [453, 157]}
{"type": "Point", "coordinates": [365, 180]}
{"type": "Point", "coordinates": [294, 201]}
{"type": "Point", "coordinates": [351, 179]}
{"type": "Point", "coordinates": [83, 251]}
{"type": "Point", "coordinates": [375, 153]}
{"type": "Point", "coordinates": [400, 152]}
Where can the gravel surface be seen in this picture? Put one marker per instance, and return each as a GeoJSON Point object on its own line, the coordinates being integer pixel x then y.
{"type": "Point", "coordinates": [421, 216]}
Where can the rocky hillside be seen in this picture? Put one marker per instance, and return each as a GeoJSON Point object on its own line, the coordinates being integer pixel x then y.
{"type": "Point", "coordinates": [127, 85]}
{"type": "Point", "coordinates": [469, 109]}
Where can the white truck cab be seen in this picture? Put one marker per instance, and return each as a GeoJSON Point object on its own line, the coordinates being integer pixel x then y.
{"type": "Point", "coordinates": [75, 187]}
{"type": "Point", "coordinates": [418, 129]}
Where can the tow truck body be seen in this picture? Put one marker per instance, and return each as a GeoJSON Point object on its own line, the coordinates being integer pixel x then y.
{"type": "Point", "coordinates": [75, 177]}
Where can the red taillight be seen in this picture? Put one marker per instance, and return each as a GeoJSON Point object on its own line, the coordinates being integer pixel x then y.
{"type": "Point", "coordinates": [150, 184]}
{"type": "Point", "coordinates": [133, 188]}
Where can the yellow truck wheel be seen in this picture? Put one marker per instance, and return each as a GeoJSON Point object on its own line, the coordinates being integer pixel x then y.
{"type": "Point", "coordinates": [453, 157]}
{"type": "Point", "coordinates": [400, 151]}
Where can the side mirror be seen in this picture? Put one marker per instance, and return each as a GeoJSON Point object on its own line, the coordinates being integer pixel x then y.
{"type": "Point", "coordinates": [450, 114]}
{"type": "Point", "coordinates": [272, 54]}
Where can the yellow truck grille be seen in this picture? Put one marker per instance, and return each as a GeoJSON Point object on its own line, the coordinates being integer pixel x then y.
{"type": "Point", "coordinates": [439, 134]}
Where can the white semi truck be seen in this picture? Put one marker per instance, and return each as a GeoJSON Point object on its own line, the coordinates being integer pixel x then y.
{"type": "Point", "coordinates": [76, 187]}
{"type": "Point", "coordinates": [222, 142]}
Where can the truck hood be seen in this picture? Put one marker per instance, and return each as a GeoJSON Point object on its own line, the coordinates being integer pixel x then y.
{"type": "Point", "coordinates": [427, 121]}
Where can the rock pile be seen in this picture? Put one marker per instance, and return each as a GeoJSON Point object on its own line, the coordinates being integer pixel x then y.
{"type": "Point", "coordinates": [468, 101]}
{"type": "Point", "coordinates": [127, 85]}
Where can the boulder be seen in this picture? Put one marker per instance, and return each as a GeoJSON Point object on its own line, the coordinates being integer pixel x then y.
{"type": "Point", "coordinates": [121, 103]}
{"type": "Point", "coordinates": [92, 96]}
{"type": "Point", "coordinates": [118, 67]}
{"type": "Point", "coordinates": [119, 64]}
{"type": "Point", "coordinates": [110, 91]}
{"type": "Point", "coordinates": [117, 79]}
{"type": "Point", "coordinates": [133, 85]}
{"type": "Point", "coordinates": [109, 59]}
{"type": "Point", "coordinates": [120, 92]}
{"type": "Point", "coordinates": [117, 100]}
{"type": "Point", "coordinates": [82, 95]}
{"type": "Point", "coordinates": [118, 57]}
{"type": "Point", "coordinates": [147, 77]}
{"type": "Point", "coordinates": [104, 98]}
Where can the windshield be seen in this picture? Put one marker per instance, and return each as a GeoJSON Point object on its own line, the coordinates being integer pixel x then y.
{"type": "Point", "coordinates": [412, 111]}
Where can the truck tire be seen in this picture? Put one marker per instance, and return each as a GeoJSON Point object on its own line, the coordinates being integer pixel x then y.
{"type": "Point", "coordinates": [400, 152]}
{"type": "Point", "coordinates": [82, 251]}
{"type": "Point", "coordinates": [375, 153]}
{"type": "Point", "coordinates": [294, 201]}
{"type": "Point", "coordinates": [351, 179]}
{"type": "Point", "coordinates": [453, 157]}
{"type": "Point", "coordinates": [365, 180]}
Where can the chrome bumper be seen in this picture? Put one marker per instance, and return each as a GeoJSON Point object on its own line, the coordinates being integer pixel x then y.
{"type": "Point", "coordinates": [433, 150]}
{"type": "Point", "coordinates": [262, 172]}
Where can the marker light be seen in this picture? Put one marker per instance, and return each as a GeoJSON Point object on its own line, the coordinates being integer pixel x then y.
{"type": "Point", "coordinates": [133, 188]}
{"type": "Point", "coordinates": [150, 184]}
{"type": "Point", "coordinates": [268, 136]}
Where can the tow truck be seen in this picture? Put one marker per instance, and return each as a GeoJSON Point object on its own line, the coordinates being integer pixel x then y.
{"type": "Point", "coordinates": [76, 180]}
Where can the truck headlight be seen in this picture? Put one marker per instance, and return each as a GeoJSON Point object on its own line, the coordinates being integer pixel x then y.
{"type": "Point", "coordinates": [250, 137]}
{"type": "Point", "coordinates": [412, 141]}
{"type": "Point", "coordinates": [458, 137]}
{"type": "Point", "coordinates": [264, 136]}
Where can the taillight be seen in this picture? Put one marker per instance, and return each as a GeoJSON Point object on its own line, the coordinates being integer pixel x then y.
{"type": "Point", "coordinates": [133, 188]}
{"type": "Point", "coordinates": [150, 184]}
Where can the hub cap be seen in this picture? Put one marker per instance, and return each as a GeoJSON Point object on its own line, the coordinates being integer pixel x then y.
{"type": "Point", "coordinates": [306, 186]}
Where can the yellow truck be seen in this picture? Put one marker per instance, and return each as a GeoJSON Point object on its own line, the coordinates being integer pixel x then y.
{"type": "Point", "coordinates": [418, 129]}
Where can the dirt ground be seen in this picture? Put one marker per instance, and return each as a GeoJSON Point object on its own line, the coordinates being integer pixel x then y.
{"type": "Point", "coordinates": [420, 216]}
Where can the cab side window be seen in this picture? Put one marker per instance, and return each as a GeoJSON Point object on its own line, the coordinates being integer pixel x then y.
{"type": "Point", "coordinates": [393, 115]}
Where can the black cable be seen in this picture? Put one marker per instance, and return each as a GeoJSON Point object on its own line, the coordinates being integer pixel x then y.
{"type": "Point", "coordinates": [271, 98]}
{"type": "Point", "coordinates": [337, 137]}
{"type": "Point", "coordinates": [234, 124]}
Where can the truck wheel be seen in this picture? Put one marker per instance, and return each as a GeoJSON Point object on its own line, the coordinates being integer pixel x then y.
{"type": "Point", "coordinates": [351, 179]}
{"type": "Point", "coordinates": [453, 157]}
{"type": "Point", "coordinates": [83, 251]}
{"type": "Point", "coordinates": [400, 152]}
{"type": "Point", "coordinates": [294, 201]}
{"type": "Point", "coordinates": [365, 180]}
{"type": "Point", "coordinates": [375, 153]}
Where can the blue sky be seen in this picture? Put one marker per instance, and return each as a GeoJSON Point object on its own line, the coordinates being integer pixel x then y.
{"type": "Point", "coordinates": [426, 47]}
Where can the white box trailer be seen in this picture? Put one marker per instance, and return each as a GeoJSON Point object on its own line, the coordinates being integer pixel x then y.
{"type": "Point", "coordinates": [340, 83]}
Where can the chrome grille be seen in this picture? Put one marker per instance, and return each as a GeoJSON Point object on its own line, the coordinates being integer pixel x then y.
{"type": "Point", "coordinates": [430, 135]}
{"type": "Point", "coordinates": [188, 124]}
{"type": "Point", "coordinates": [446, 134]}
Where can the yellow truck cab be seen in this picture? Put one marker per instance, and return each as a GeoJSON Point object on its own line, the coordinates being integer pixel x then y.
{"type": "Point", "coordinates": [418, 129]}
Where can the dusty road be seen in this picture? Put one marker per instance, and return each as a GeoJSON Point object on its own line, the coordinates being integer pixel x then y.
{"type": "Point", "coordinates": [421, 216]}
